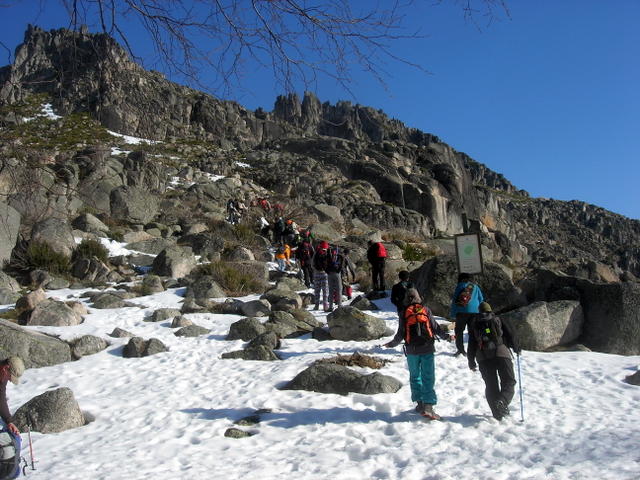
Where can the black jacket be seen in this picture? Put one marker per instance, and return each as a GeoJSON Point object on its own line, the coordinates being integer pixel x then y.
{"type": "Point", "coordinates": [508, 340]}
{"type": "Point", "coordinates": [398, 292]}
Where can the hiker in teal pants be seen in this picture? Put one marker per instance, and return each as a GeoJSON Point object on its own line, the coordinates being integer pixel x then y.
{"type": "Point", "coordinates": [418, 329]}
{"type": "Point", "coordinates": [422, 377]}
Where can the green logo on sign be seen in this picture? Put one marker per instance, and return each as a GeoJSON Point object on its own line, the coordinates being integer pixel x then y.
{"type": "Point", "coordinates": [468, 249]}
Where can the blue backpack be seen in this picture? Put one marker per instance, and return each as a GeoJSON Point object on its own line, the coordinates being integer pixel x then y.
{"type": "Point", "coordinates": [10, 445]}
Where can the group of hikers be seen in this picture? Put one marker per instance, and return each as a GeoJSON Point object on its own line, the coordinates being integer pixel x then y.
{"type": "Point", "coordinates": [489, 340]}
{"type": "Point", "coordinates": [328, 268]}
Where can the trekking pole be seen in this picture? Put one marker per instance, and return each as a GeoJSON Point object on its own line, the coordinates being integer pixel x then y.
{"type": "Point", "coordinates": [33, 466]}
{"type": "Point", "coordinates": [520, 388]}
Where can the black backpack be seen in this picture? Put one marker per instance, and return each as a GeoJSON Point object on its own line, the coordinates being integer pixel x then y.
{"type": "Point", "coordinates": [305, 251]}
{"type": "Point", "coordinates": [487, 330]}
{"type": "Point", "coordinates": [320, 261]}
{"type": "Point", "coordinates": [335, 261]}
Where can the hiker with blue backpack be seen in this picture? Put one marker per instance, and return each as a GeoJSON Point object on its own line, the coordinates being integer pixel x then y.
{"type": "Point", "coordinates": [11, 369]}
{"type": "Point", "coordinates": [418, 329]}
{"type": "Point", "coordinates": [465, 302]}
{"type": "Point", "coordinates": [489, 341]}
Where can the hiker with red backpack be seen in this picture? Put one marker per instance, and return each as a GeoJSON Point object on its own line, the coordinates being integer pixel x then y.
{"type": "Point", "coordinates": [377, 254]}
{"type": "Point", "coordinates": [465, 302]}
{"type": "Point", "coordinates": [418, 329]}
{"type": "Point", "coordinates": [489, 341]}
{"type": "Point", "coordinates": [319, 264]}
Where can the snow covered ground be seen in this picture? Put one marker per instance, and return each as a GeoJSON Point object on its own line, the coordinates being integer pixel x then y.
{"type": "Point", "coordinates": [164, 416]}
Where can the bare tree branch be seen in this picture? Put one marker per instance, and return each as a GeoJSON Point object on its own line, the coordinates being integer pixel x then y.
{"type": "Point", "coordinates": [298, 40]}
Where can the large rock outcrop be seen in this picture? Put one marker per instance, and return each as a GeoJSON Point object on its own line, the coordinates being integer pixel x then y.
{"type": "Point", "coordinates": [36, 349]}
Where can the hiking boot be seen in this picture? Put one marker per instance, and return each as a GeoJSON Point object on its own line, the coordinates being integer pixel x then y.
{"type": "Point", "coordinates": [420, 407]}
{"type": "Point", "coordinates": [429, 413]}
{"type": "Point", "coordinates": [461, 352]}
{"type": "Point", "coordinates": [502, 409]}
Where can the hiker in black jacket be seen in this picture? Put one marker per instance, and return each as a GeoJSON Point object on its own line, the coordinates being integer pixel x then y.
{"type": "Point", "coordinates": [399, 291]}
{"type": "Point", "coordinates": [489, 341]}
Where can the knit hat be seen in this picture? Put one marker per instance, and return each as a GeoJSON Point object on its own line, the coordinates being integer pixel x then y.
{"type": "Point", "coordinates": [16, 369]}
{"type": "Point", "coordinates": [485, 307]}
{"type": "Point", "coordinates": [413, 296]}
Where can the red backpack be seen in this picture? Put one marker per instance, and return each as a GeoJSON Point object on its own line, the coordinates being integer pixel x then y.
{"type": "Point", "coordinates": [464, 297]}
{"type": "Point", "coordinates": [418, 329]}
{"type": "Point", "coordinates": [381, 252]}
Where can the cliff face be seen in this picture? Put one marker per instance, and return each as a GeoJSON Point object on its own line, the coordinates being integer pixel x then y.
{"type": "Point", "coordinates": [351, 156]}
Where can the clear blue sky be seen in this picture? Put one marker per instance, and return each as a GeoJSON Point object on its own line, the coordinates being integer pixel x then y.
{"type": "Point", "coordinates": [550, 98]}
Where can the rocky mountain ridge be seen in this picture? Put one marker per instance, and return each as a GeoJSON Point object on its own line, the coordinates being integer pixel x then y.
{"type": "Point", "coordinates": [355, 158]}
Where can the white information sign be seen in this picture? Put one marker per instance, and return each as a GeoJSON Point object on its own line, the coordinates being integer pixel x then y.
{"type": "Point", "coordinates": [469, 253]}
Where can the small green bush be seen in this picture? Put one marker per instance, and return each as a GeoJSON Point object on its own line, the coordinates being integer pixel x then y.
{"type": "Point", "coordinates": [40, 256]}
{"type": "Point", "coordinates": [415, 253]}
{"type": "Point", "coordinates": [11, 315]}
{"type": "Point", "coordinates": [91, 248]}
{"type": "Point", "coordinates": [115, 235]}
{"type": "Point", "coordinates": [234, 283]}
{"type": "Point", "coordinates": [141, 290]}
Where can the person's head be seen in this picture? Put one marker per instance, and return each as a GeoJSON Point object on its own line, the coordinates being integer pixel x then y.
{"type": "Point", "coordinates": [485, 307]}
{"type": "Point", "coordinates": [345, 251]}
{"type": "Point", "coordinates": [413, 296]}
{"type": "Point", "coordinates": [465, 277]}
{"type": "Point", "coordinates": [323, 247]}
{"type": "Point", "coordinates": [12, 369]}
{"type": "Point", "coordinates": [403, 275]}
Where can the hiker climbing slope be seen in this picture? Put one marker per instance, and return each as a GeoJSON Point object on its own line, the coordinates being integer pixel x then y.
{"type": "Point", "coordinates": [399, 292]}
{"type": "Point", "coordinates": [334, 276]}
{"type": "Point", "coordinates": [418, 329]}
{"type": "Point", "coordinates": [465, 301]}
{"type": "Point", "coordinates": [377, 255]}
{"type": "Point", "coordinates": [304, 253]}
{"type": "Point", "coordinates": [319, 263]}
{"type": "Point", "coordinates": [489, 341]}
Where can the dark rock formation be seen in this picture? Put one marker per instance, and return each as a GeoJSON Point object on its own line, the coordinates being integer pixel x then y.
{"type": "Point", "coordinates": [331, 378]}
